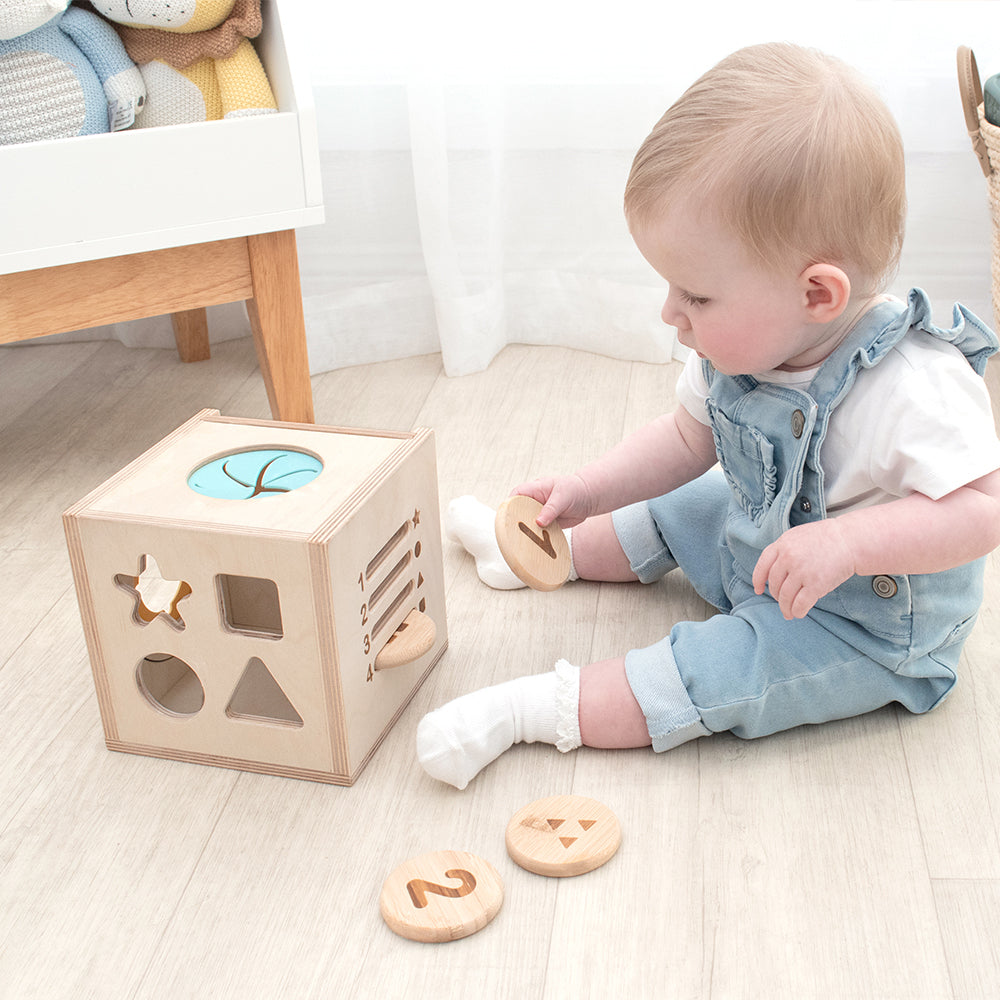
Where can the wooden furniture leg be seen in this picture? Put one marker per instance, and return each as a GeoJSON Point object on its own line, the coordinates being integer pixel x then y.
{"type": "Point", "coordinates": [191, 334]}
{"type": "Point", "coordinates": [115, 289]}
{"type": "Point", "coordinates": [262, 270]}
{"type": "Point", "coordinates": [278, 324]}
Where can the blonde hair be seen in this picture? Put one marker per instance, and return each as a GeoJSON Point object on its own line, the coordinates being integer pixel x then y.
{"type": "Point", "coordinates": [795, 151]}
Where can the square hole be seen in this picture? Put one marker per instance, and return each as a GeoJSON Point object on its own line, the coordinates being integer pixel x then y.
{"type": "Point", "coordinates": [250, 605]}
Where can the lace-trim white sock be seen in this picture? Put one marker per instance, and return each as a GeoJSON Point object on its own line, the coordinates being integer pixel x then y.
{"type": "Point", "coordinates": [471, 523]}
{"type": "Point", "coordinates": [455, 742]}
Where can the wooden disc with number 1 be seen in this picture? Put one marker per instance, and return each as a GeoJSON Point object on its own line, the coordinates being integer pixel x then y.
{"type": "Point", "coordinates": [538, 556]}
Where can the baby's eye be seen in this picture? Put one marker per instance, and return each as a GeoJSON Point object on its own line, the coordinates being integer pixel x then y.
{"type": "Point", "coordinates": [693, 300]}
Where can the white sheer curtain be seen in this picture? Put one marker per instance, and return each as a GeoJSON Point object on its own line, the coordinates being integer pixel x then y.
{"type": "Point", "coordinates": [484, 213]}
{"type": "Point", "coordinates": [474, 158]}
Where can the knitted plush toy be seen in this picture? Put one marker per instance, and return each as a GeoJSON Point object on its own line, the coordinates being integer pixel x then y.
{"type": "Point", "coordinates": [62, 73]}
{"type": "Point", "coordinates": [195, 57]}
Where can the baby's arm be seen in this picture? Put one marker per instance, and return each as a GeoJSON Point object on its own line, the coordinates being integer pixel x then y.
{"type": "Point", "coordinates": [664, 454]}
{"type": "Point", "coordinates": [911, 535]}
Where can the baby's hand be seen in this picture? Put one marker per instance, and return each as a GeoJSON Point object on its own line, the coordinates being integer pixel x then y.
{"type": "Point", "coordinates": [804, 564]}
{"type": "Point", "coordinates": [565, 498]}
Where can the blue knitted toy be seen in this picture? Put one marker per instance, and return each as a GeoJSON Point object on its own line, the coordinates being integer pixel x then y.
{"type": "Point", "coordinates": [62, 73]}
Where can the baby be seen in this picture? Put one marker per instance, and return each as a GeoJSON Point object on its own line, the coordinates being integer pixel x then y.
{"type": "Point", "coordinates": [830, 481]}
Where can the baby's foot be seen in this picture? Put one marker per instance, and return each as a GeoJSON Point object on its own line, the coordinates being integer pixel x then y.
{"type": "Point", "coordinates": [471, 524]}
{"type": "Point", "coordinates": [455, 742]}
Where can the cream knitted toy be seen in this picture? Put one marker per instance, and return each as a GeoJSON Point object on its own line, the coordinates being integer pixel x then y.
{"type": "Point", "coordinates": [62, 73]}
{"type": "Point", "coordinates": [195, 57]}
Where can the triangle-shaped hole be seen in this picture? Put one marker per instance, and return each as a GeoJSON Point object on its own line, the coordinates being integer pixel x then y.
{"type": "Point", "coordinates": [258, 698]}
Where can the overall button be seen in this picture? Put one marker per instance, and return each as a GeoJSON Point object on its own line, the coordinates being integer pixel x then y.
{"type": "Point", "coordinates": [798, 423]}
{"type": "Point", "coordinates": [884, 586]}
{"type": "Point", "coordinates": [805, 505]}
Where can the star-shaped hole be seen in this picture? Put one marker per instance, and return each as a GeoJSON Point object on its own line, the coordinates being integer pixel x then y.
{"type": "Point", "coordinates": [154, 595]}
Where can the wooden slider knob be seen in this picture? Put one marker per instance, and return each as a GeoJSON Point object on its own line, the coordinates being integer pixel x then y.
{"type": "Point", "coordinates": [414, 637]}
{"type": "Point", "coordinates": [539, 557]}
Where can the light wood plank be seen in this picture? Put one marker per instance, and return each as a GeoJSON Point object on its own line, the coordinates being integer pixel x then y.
{"type": "Point", "coordinates": [29, 374]}
{"type": "Point", "coordinates": [806, 898]}
{"type": "Point", "coordinates": [967, 910]}
{"type": "Point", "coordinates": [953, 758]}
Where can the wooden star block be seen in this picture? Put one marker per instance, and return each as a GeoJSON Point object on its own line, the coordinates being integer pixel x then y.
{"type": "Point", "coordinates": [154, 595]}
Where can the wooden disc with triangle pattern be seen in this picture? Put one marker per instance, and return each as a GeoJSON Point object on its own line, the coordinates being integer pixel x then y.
{"type": "Point", "coordinates": [563, 835]}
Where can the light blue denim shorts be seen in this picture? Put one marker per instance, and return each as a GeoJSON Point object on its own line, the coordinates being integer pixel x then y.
{"type": "Point", "coordinates": [747, 670]}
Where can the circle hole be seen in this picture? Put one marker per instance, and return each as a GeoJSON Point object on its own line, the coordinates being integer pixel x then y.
{"type": "Point", "coordinates": [170, 685]}
{"type": "Point", "coordinates": [257, 472]}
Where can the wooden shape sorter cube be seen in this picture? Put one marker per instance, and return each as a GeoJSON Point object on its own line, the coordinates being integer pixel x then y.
{"type": "Point", "coordinates": [240, 585]}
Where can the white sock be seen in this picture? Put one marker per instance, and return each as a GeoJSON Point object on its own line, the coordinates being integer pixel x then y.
{"type": "Point", "coordinates": [455, 742]}
{"type": "Point", "coordinates": [472, 524]}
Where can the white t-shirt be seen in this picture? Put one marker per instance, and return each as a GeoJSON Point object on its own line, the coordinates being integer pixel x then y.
{"type": "Point", "coordinates": [919, 421]}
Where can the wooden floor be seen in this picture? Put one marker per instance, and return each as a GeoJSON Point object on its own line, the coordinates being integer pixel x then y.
{"type": "Point", "coordinates": [858, 859]}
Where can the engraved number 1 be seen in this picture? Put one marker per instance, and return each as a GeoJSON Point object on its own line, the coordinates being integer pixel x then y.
{"type": "Point", "coordinates": [542, 541]}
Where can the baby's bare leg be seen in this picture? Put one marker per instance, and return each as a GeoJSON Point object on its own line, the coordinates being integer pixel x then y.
{"type": "Point", "coordinates": [610, 717]}
{"type": "Point", "coordinates": [597, 553]}
{"type": "Point", "coordinates": [566, 707]}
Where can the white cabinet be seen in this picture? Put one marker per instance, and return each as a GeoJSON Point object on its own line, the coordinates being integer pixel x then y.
{"type": "Point", "coordinates": [102, 228]}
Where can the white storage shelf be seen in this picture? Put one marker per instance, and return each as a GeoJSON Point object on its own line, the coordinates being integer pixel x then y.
{"type": "Point", "coordinates": [91, 197]}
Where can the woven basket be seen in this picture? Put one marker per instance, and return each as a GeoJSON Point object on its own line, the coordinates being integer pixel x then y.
{"type": "Point", "coordinates": [986, 145]}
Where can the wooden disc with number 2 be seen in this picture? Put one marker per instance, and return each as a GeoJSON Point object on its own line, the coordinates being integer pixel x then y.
{"type": "Point", "coordinates": [441, 896]}
{"type": "Point", "coordinates": [538, 556]}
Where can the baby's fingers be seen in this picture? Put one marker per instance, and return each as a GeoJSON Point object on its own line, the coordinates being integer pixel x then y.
{"type": "Point", "coordinates": [537, 489]}
{"type": "Point", "coordinates": [762, 570]}
{"type": "Point", "coordinates": [802, 604]}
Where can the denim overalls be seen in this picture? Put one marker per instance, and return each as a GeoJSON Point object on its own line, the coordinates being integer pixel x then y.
{"type": "Point", "coordinates": [869, 642]}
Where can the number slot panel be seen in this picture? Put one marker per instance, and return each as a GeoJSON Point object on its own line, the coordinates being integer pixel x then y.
{"type": "Point", "coordinates": [392, 614]}
{"type": "Point", "coordinates": [392, 580]}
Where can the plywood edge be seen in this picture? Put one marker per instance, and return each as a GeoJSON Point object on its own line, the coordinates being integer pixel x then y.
{"type": "Point", "coordinates": [234, 763]}
{"type": "Point", "coordinates": [399, 712]}
{"type": "Point", "coordinates": [373, 482]}
{"type": "Point", "coordinates": [152, 520]}
{"type": "Point", "coordinates": [321, 428]}
{"type": "Point", "coordinates": [88, 618]}
{"type": "Point", "coordinates": [322, 592]}
{"type": "Point", "coordinates": [109, 484]}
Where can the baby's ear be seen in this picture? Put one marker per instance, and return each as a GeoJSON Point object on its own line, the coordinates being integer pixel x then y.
{"type": "Point", "coordinates": [827, 291]}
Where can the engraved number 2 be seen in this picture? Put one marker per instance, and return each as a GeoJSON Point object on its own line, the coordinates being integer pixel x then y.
{"type": "Point", "coordinates": [418, 887]}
